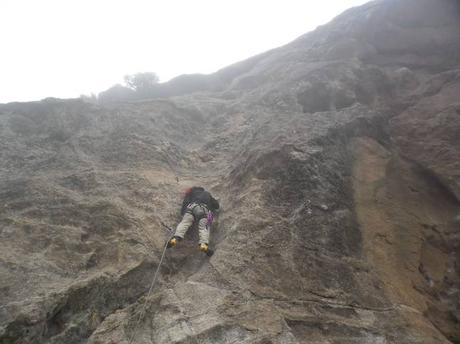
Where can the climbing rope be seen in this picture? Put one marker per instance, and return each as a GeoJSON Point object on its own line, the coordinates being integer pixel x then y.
{"type": "Point", "coordinates": [141, 314]}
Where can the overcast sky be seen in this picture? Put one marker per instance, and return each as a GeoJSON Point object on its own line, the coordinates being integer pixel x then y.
{"type": "Point", "coordinates": [65, 48]}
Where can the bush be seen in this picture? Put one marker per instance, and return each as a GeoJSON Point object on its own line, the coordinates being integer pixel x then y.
{"type": "Point", "coordinates": [142, 82]}
{"type": "Point", "coordinates": [117, 93]}
{"type": "Point", "coordinates": [138, 86]}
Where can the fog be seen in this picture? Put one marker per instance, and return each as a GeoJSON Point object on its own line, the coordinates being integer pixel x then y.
{"type": "Point", "coordinates": [63, 49]}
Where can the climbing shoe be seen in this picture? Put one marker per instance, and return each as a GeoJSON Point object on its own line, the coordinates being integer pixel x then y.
{"type": "Point", "coordinates": [172, 242]}
{"type": "Point", "coordinates": [205, 248]}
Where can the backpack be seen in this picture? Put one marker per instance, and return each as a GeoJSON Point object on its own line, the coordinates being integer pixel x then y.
{"type": "Point", "coordinates": [190, 196]}
{"type": "Point", "coordinates": [205, 197]}
{"type": "Point", "coordinates": [199, 195]}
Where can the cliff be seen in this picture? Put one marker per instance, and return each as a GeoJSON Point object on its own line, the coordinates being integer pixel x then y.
{"type": "Point", "coordinates": [335, 159]}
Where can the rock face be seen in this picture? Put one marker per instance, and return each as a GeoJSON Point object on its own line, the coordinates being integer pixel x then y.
{"type": "Point", "coordinates": [336, 159]}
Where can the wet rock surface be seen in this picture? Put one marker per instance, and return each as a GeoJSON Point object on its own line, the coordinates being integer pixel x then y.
{"type": "Point", "coordinates": [335, 159]}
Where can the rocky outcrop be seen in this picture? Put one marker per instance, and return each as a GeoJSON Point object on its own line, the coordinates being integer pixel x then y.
{"type": "Point", "coordinates": [335, 158]}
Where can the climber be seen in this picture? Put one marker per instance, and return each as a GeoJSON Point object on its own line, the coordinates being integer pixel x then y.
{"type": "Point", "coordinates": [198, 207]}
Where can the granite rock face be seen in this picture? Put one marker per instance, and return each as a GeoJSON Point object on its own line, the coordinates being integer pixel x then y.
{"type": "Point", "coordinates": [335, 159]}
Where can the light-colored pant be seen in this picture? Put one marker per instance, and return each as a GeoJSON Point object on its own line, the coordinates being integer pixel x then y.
{"type": "Point", "coordinates": [200, 213]}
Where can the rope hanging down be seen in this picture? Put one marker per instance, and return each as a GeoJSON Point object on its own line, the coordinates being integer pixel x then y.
{"type": "Point", "coordinates": [141, 314]}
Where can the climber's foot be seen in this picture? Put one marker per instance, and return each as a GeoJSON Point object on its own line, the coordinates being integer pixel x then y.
{"type": "Point", "coordinates": [205, 248]}
{"type": "Point", "coordinates": [172, 242]}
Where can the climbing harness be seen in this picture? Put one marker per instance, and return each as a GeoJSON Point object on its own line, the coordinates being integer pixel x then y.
{"type": "Point", "coordinates": [204, 211]}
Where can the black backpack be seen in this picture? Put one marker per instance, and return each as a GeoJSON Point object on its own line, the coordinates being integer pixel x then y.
{"type": "Point", "coordinates": [206, 198]}
{"type": "Point", "coordinates": [190, 195]}
{"type": "Point", "coordinates": [199, 195]}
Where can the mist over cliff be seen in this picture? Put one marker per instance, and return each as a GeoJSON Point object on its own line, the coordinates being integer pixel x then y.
{"type": "Point", "coordinates": [336, 160]}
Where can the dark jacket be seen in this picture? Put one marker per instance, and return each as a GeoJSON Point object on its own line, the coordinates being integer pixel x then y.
{"type": "Point", "coordinates": [199, 195]}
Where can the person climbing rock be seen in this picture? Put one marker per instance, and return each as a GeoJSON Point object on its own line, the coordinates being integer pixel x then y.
{"type": "Point", "coordinates": [198, 207]}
